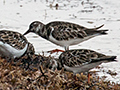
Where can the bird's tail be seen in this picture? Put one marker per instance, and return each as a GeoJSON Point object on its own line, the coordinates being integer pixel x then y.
{"type": "Point", "coordinates": [105, 59]}
{"type": "Point", "coordinates": [91, 31]}
{"type": "Point", "coordinates": [102, 31]}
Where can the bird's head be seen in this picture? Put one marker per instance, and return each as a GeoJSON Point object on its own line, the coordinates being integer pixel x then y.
{"type": "Point", "coordinates": [34, 27]}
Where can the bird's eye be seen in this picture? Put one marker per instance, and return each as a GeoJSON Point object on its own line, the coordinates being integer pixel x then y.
{"type": "Point", "coordinates": [31, 26]}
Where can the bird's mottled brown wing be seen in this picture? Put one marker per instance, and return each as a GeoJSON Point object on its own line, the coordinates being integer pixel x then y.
{"type": "Point", "coordinates": [14, 39]}
{"type": "Point", "coordinates": [79, 57]}
{"type": "Point", "coordinates": [65, 30]}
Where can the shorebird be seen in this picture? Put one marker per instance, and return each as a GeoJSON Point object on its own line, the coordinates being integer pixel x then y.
{"type": "Point", "coordinates": [14, 45]}
{"type": "Point", "coordinates": [63, 33]}
{"type": "Point", "coordinates": [82, 60]}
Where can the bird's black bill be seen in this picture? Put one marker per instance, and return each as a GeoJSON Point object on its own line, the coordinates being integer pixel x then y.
{"type": "Point", "coordinates": [26, 32]}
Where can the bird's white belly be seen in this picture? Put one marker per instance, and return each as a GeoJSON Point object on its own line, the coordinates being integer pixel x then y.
{"type": "Point", "coordinates": [10, 51]}
{"type": "Point", "coordinates": [69, 42]}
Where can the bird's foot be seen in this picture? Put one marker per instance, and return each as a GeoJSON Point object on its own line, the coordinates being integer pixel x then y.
{"type": "Point", "coordinates": [56, 50]}
{"type": "Point", "coordinates": [89, 78]}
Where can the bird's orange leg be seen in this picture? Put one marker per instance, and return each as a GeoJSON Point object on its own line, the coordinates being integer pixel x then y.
{"type": "Point", "coordinates": [88, 78]}
{"type": "Point", "coordinates": [56, 50]}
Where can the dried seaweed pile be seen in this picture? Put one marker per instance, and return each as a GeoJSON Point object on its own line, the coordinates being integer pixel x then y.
{"type": "Point", "coordinates": [27, 73]}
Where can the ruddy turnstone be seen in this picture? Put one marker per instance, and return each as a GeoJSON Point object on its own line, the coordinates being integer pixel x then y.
{"type": "Point", "coordinates": [82, 60]}
{"type": "Point", "coordinates": [64, 34]}
{"type": "Point", "coordinates": [13, 44]}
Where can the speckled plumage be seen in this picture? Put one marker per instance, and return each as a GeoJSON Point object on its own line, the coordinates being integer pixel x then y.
{"type": "Point", "coordinates": [82, 60]}
{"type": "Point", "coordinates": [13, 44]}
{"type": "Point", "coordinates": [14, 39]}
{"type": "Point", "coordinates": [64, 34]}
